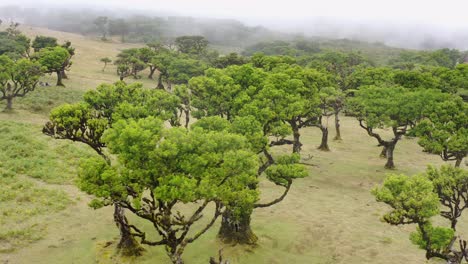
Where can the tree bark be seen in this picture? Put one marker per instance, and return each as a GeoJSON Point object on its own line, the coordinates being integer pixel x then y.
{"type": "Point", "coordinates": [64, 75]}
{"type": "Point", "coordinates": [127, 246]}
{"type": "Point", "coordinates": [9, 105]}
{"type": "Point", "coordinates": [458, 162]}
{"type": "Point", "coordinates": [337, 126]}
{"type": "Point", "coordinates": [160, 84]}
{"type": "Point", "coordinates": [324, 144]}
{"type": "Point", "coordinates": [236, 231]}
{"type": "Point", "coordinates": [59, 78]}
{"type": "Point", "coordinates": [121, 77]}
{"type": "Point", "coordinates": [187, 118]}
{"type": "Point", "coordinates": [104, 68]}
{"type": "Point", "coordinates": [297, 139]}
{"type": "Point", "coordinates": [390, 149]}
{"type": "Point", "coordinates": [152, 70]}
{"type": "Point", "coordinates": [383, 154]}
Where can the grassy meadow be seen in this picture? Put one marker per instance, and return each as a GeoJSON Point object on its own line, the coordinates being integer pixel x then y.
{"type": "Point", "coordinates": [328, 217]}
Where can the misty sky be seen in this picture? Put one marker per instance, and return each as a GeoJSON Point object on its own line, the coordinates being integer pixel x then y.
{"type": "Point", "coordinates": [402, 23]}
{"type": "Point", "coordinates": [451, 14]}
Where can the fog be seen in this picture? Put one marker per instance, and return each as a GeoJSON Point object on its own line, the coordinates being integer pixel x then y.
{"type": "Point", "coordinates": [401, 23]}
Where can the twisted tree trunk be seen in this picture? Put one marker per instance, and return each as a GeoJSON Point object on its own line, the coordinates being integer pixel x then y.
{"type": "Point", "coordinates": [9, 105]}
{"type": "Point", "coordinates": [390, 149]}
{"type": "Point", "coordinates": [59, 78]}
{"type": "Point", "coordinates": [236, 231]}
{"type": "Point", "coordinates": [127, 246]}
{"type": "Point", "coordinates": [324, 144]}
{"type": "Point", "coordinates": [337, 127]}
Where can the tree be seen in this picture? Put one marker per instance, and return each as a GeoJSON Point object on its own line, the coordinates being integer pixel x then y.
{"type": "Point", "coordinates": [71, 50]}
{"type": "Point", "coordinates": [451, 185]}
{"type": "Point", "coordinates": [87, 121]}
{"type": "Point", "coordinates": [444, 131]}
{"type": "Point", "coordinates": [17, 78]}
{"type": "Point", "coordinates": [415, 200]}
{"type": "Point", "coordinates": [342, 67]}
{"type": "Point", "coordinates": [129, 63]}
{"type": "Point", "coordinates": [105, 60]}
{"type": "Point", "coordinates": [396, 108]}
{"type": "Point", "coordinates": [101, 23]}
{"type": "Point", "coordinates": [41, 42]}
{"type": "Point", "coordinates": [13, 43]}
{"type": "Point", "coordinates": [238, 99]}
{"type": "Point", "coordinates": [161, 168]}
{"type": "Point", "coordinates": [281, 170]}
{"type": "Point", "coordinates": [195, 45]}
{"type": "Point", "coordinates": [289, 101]}
{"type": "Point", "coordinates": [55, 60]}
{"type": "Point", "coordinates": [331, 101]}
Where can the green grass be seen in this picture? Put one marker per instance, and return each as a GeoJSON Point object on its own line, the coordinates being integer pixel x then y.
{"type": "Point", "coordinates": [23, 204]}
{"type": "Point", "coordinates": [25, 151]}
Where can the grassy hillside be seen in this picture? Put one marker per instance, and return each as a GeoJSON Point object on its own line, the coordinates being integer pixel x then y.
{"type": "Point", "coordinates": [328, 217]}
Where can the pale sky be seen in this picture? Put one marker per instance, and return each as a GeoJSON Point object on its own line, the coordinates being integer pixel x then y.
{"type": "Point", "coordinates": [446, 13]}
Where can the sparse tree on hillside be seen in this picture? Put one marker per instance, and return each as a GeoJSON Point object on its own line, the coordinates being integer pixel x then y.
{"type": "Point", "coordinates": [55, 60]}
{"type": "Point", "coordinates": [17, 78]}
{"type": "Point", "coordinates": [105, 60]}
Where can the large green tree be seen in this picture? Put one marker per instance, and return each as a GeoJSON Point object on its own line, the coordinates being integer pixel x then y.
{"type": "Point", "coordinates": [55, 60]}
{"type": "Point", "coordinates": [391, 107]}
{"type": "Point", "coordinates": [87, 121]}
{"type": "Point", "coordinates": [417, 199]}
{"type": "Point", "coordinates": [444, 131]}
{"type": "Point", "coordinates": [17, 78]}
{"type": "Point", "coordinates": [159, 169]}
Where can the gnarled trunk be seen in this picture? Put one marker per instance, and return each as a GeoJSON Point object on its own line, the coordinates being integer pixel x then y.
{"type": "Point", "coordinates": [236, 231]}
{"type": "Point", "coordinates": [383, 154]}
{"type": "Point", "coordinates": [152, 70]}
{"type": "Point", "coordinates": [59, 78]}
{"type": "Point", "coordinates": [160, 83]}
{"type": "Point", "coordinates": [9, 105]}
{"type": "Point", "coordinates": [337, 127]}
{"type": "Point", "coordinates": [127, 246]}
{"type": "Point", "coordinates": [390, 149]}
{"type": "Point", "coordinates": [324, 144]}
{"type": "Point", "coordinates": [187, 118]}
{"type": "Point", "coordinates": [297, 139]}
{"type": "Point", "coordinates": [458, 162]}
{"type": "Point", "coordinates": [64, 75]}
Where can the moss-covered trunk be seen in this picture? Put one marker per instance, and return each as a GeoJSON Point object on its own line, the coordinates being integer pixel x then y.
{"type": "Point", "coordinates": [324, 144]}
{"type": "Point", "coordinates": [236, 231]}
{"type": "Point", "coordinates": [127, 246]}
